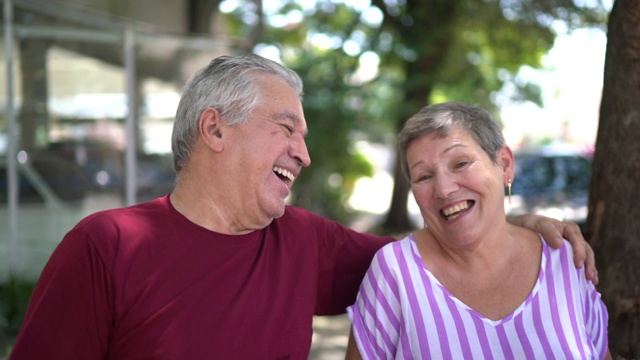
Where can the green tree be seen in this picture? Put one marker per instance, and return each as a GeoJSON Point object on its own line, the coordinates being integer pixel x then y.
{"type": "Point", "coordinates": [466, 51]}
{"type": "Point", "coordinates": [613, 225]}
{"type": "Point", "coordinates": [330, 109]}
{"type": "Point", "coordinates": [335, 104]}
{"type": "Point", "coordinates": [428, 50]}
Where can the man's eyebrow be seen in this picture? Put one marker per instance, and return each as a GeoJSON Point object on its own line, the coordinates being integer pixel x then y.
{"type": "Point", "coordinates": [288, 115]}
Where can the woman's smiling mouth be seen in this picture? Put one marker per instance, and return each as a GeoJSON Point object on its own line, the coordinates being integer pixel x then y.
{"type": "Point", "coordinates": [451, 213]}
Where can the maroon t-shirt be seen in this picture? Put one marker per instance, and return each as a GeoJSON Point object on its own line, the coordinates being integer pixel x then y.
{"type": "Point", "coordinates": [144, 282]}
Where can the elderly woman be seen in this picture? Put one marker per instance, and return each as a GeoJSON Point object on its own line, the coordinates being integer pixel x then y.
{"type": "Point", "coordinates": [470, 285]}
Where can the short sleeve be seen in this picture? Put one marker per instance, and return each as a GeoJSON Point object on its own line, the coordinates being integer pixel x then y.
{"type": "Point", "coordinates": [596, 316]}
{"type": "Point", "coordinates": [343, 258]}
{"type": "Point", "coordinates": [69, 312]}
{"type": "Point", "coordinates": [376, 314]}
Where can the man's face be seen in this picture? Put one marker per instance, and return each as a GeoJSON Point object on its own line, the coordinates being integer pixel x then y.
{"type": "Point", "coordinates": [268, 153]}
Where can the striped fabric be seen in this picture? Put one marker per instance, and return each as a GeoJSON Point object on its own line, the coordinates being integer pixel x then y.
{"type": "Point", "coordinates": [404, 312]}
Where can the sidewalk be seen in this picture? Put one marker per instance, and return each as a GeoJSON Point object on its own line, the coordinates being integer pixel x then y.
{"type": "Point", "coordinates": [330, 336]}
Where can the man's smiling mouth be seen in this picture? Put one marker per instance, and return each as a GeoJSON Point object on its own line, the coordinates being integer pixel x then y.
{"type": "Point", "coordinates": [283, 174]}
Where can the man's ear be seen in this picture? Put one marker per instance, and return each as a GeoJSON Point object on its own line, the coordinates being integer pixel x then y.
{"type": "Point", "coordinates": [211, 128]}
{"type": "Point", "coordinates": [506, 161]}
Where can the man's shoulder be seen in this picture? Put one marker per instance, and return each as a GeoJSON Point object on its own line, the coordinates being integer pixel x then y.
{"type": "Point", "coordinates": [123, 230]}
{"type": "Point", "coordinates": [295, 211]}
{"type": "Point", "coordinates": [299, 216]}
{"type": "Point", "coordinates": [300, 219]}
{"type": "Point", "coordinates": [127, 216]}
{"type": "Point", "coordinates": [108, 228]}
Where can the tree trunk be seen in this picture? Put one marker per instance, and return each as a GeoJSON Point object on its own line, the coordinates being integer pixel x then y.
{"type": "Point", "coordinates": [431, 43]}
{"type": "Point", "coordinates": [200, 15]}
{"type": "Point", "coordinates": [397, 220]}
{"type": "Point", "coordinates": [613, 226]}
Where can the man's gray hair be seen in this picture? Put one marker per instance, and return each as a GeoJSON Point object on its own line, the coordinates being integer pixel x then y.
{"type": "Point", "coordinates": [440, 118]}
{"type": "Point", "coordinates": [228, 84]}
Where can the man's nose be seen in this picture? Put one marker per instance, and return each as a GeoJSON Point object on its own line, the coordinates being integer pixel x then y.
{"type": "Point", "coordinates": [300, 152]}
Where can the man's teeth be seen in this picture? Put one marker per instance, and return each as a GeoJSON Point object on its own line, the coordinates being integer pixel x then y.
{"type": "Point", "coordinates": [283, 172]}
{"type": "Point", "coordinates": [455, 209]}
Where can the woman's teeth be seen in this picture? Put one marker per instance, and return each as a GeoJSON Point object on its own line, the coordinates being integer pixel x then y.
{"type": "Point", "coordinates": [453, 212]}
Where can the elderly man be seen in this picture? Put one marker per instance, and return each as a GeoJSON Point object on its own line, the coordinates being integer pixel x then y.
{"type": "Point", "coordinates": [221, 267]}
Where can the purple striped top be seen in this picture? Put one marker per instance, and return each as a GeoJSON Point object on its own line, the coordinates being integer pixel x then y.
{"type": "Point", "coordinates": [404, 312]}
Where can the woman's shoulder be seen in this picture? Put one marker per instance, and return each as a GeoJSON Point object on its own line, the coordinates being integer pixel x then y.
{"type": "Point", "coordinates": [402, 244]}
{"type": "Point", "coordinates": [566, 245]}
{"type": "Point", "coordinates": [395, 252]}
{"type": "Point", "coordinates": [563, 252]}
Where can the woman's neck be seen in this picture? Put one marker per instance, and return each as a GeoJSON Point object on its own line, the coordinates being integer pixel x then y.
{"type": "Point", "coordinates": [493, 275]}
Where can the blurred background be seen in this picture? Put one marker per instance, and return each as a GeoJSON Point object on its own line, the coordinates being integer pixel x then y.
{"type": "Point", "coordinates": [89, 89]}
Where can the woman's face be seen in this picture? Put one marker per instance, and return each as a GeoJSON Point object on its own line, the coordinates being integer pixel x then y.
{"type": "Point", "coordinates": [459, 190]}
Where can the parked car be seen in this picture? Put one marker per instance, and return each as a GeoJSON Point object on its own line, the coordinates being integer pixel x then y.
{"type": "Point", "coordinates": [45, 173]}
{"type": "Point", "coordinates": [555, 185]}
{"type": "Point", "coordinates": [101, 164]}
{"type": "Point", "coordinates": [104, 168]}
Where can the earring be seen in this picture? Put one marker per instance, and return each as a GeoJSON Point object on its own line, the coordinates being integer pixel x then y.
{"type": "Point", "coordinates": [509, 185]}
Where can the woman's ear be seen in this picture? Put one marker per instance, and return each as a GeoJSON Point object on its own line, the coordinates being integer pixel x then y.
{"type": "Point", "coordinates": [506, 161]}
{"type": "Point", "coordinates": [211, 127]}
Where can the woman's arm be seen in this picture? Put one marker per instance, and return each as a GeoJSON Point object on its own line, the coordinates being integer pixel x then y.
{"type": "Point", "coordinates": [352, 349]}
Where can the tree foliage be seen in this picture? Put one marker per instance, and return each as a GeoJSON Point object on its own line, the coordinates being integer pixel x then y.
{"type": "Point", "coordinates": [427, 51]}
{"type": "Point", "coordinates": [466, 51]}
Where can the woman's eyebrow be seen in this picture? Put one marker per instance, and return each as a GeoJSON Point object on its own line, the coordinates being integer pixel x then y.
{"type": "Point", "coordinates": [455, 146]}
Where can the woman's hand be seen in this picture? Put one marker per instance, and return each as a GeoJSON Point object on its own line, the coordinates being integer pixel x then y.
{"type": "Point", "coordinates": [554, 231]}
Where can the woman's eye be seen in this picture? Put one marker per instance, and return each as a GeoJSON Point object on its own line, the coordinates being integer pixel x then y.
{"type": "Point", "coordinates": [461, 164]}
{"type": "Point", "coordinates": [423, 178]}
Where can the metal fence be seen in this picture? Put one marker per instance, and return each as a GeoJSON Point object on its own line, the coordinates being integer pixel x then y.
{"type": "Point", "coordinates": [87, 105]}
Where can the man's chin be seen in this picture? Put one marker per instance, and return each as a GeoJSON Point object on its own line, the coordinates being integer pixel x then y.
{"type": "Point", "coordinates": [273, 208]}
{"type": "Point", "coordinates": [277, 211]}
{"type": "Point", "coordinates": [279, 214]}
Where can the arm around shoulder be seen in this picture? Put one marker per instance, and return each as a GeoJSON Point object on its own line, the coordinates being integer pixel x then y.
{"type": "Point", "coordinates": [554, 231]}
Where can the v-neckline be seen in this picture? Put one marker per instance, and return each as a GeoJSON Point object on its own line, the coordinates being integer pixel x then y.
{"type": "Point", "coordinates": [517, 311]}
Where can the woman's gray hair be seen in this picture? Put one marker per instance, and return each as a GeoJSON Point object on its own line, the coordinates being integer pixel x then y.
{"type": "Point", "coordinates": [440, 118]}
{"type": "Point", "coordinates": [228, 84]}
